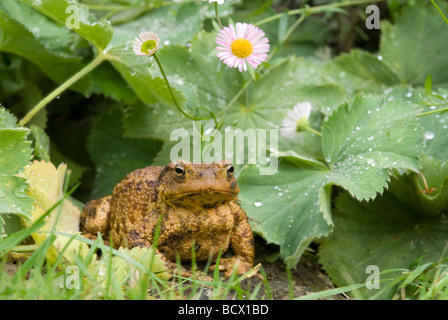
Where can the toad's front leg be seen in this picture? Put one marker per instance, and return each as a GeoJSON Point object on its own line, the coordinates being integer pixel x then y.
{"type": "Point", "coordinates": [242, 242]}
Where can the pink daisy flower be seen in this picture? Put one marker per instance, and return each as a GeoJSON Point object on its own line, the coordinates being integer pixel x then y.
{"type": "Point", "coordinates": [240, 44]}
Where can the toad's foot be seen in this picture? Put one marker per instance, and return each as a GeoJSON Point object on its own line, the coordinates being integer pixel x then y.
{"type": "Point", "coordinates": [233, 264]}
{"type": "Point", "coordinates": [175, 269]}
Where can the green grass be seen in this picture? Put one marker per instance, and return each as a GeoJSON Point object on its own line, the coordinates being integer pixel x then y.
{"type": "Point", "coordinates": [99, 279]}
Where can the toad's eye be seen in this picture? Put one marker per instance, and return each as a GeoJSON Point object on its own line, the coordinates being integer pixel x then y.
{"type": "Point", "coordinates": [230, 170]}
{"type": "Point", "coordinates": [180, 171]}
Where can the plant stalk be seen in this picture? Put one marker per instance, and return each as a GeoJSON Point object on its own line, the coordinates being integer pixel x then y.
{"type": "Point", "coordinates": [217, 15]}
{"type": "Point", "coordinates": [312, 10]}
{"type": "Point", "coordinates": [432, 112]}
{"type": "Point", "coordinates": [172, 94]}
{"type": "Point", "coordinates": [314, 131]}
{"type": "Point", "coordinates": [59, 90]}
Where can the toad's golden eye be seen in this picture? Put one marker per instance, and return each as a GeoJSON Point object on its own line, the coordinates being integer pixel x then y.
{"type": "Point", "coordinates": [230, 170]}
{"type": "Point", "coordinates": [180, 171]}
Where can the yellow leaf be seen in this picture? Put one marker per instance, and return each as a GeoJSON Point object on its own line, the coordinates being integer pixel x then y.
{"type": "Point", "coordinates": [46, 184]}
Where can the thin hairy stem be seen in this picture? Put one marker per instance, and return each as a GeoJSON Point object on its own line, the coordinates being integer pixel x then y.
{"type": "Point", "coordinates": [59, 90]}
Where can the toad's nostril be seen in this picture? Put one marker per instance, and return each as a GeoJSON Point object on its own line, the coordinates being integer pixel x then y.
{"type": "Point", "coordinates": [207, 174]}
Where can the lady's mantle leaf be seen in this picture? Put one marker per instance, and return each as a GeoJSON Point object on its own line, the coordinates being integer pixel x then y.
{"type": "Point", "coordinates": [15, 153]}
{"type": "Point", "coordinates": [391, 231]}
{"type": "Point", "coordinates": [414, 47]}
{"type": "Point", "coordinates": [16, 39]}
{"type": "Point", "coordinates": [77, 17]}
{"type": "Point", "coordinates": [361, 142]}
{"type": "Point", "coordinates": [116, 155]}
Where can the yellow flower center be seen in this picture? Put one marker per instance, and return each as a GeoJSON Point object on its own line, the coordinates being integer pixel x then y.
{"type": "Point", "coordinates": [242, 48]}
{"type": "Point", "coordinates": [149, 45]}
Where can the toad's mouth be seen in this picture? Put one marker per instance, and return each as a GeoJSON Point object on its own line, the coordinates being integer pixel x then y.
{"type": "Point", "coordinates": [206, 195]}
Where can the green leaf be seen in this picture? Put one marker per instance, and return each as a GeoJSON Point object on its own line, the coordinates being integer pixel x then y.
{"type": "Point", "coordinates": [436, 135]}
{"type": "Point", "coordinates": [15, 153]}
{"type": "Point", "coordinates": [107, 81]}
{"type": "Point", "coordinates": [282, 27]}
{"type": "Point", "coordinates": [13, 195]}
{"type": "Point", "coordinates": [361, 143]}
{"type": "Point", "coordinates": [412, 47]}
{"type": "Point", "coordinates": [7, 119]}
{"type": "Point", "coordinates": [361, 140]}
{"type": "Point", "coordinates": [55, 37]}
{"type": "Point", "coordinates": [65, 12]}
{"type": "Point", "coordinates": [389, 232]}
{"type": "Point", "coordinates": [115, 155]}
{"type": "Point", "coordinates": [174, 24]}
{"type": "Point", "coordinates": [16, 39]}
{"type": "Point", "coordinates": [14, 150]}
{"type": "Point", "coordinates": [41, 143]}
{"type": "Point", "coordinates": [286, 208]}
{"type": "Point", "coordinates": [367, 67]}
{"type": "Point", "coordinates": [432, 198]}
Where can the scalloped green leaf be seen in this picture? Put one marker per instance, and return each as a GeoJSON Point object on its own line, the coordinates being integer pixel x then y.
{"type": "Point", "coordinates": [115, 155]}
{"type": "Point", "coordinates": [361, 141]}
{"type": "Point", "coordinates": [367, 67]}
{"type": "Point", "coordinates": [413, 47]}
{"type": "Point", "coordinates": [390, 232]}
{"type": "Point", "coordinates": [15, 153]}
{"type": "Point", "coordinates": [65, 11]}
{"type": "Point", "coordinates": [17, 39]}
{"type": "Point", "coordinates": [55, 37]}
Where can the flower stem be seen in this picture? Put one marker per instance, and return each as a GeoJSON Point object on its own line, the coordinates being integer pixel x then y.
{"type": "Point", "coordinates": [440, 11]}
{"type": "Point", "coordinates": [294, 26]}
{"type": "Point", "coordinates": [313, 10]}
{"type": "Point", "coordinates": [172, 94]}
{"type": "Point", "coordinates": [432, 112]}
{"type": "Point", "coordinates": [314, 131]}
{"type": "Point", "coordinates": [217, 15]}
{"type": "Point", "coordinates": [59, 90]}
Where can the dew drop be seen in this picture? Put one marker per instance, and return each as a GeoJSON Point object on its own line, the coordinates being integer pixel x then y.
{"type": "Point", "coordinates": [258, 203]}
{"type": "Point", "coordinates": [429, 135]}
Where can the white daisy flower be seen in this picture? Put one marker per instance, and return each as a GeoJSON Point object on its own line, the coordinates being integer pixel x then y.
{"type": "Point", "coordinates": [240, 44]}
{"type": "Point", "coordinates": [296, 120]}
{"type": "Point", "coordinates": [146, 44]}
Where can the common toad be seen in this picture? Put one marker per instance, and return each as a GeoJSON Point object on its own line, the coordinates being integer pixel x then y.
{"type": "Point", "coordinates": [197, 205]}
